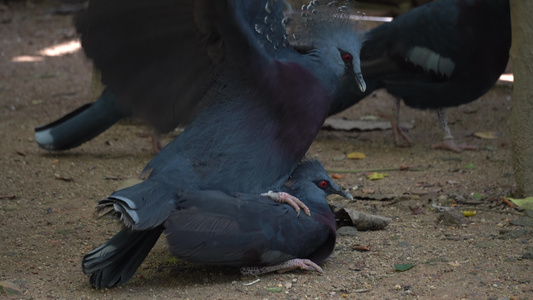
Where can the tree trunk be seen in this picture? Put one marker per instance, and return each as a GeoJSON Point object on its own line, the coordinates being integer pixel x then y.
{"type": "Point", "coordinates": [521, 122]}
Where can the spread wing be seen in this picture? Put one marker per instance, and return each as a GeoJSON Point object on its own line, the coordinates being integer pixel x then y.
{"type": "Point", "coordinates": [161, 57]}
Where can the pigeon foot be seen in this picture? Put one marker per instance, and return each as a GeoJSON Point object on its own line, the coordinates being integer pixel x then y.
{"type": "Point", "coordinates": [449, 144]}
{"type": "Point", "coordinates": [297, 263]}
{"type": "Point", "coordinates": [397, 131]}
{"type": "Point", "coordinates": [156, 143]}
{"type": "Point", "coordinates": [282, 197]}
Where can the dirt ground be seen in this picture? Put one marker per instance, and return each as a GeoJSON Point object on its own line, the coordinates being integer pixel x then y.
{"type": "Point", "coordinates": [47, 199]}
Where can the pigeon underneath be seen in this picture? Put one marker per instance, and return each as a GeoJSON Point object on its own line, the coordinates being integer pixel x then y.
{"type": "Point", "coordinates": [246, 231]}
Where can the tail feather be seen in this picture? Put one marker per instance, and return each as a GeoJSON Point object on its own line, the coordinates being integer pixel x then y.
{"type": "Point", "coordinates": [143, 206]}
{"type": "Point", "coordinates": [116, 261]}
{"type": "Point", "coordinates": [81, 125]}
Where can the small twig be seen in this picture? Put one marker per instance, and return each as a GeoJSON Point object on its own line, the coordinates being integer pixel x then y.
{"type": "Point", "coordinates": [470, 202]}
{"type": "Point", "coordinates": [492, 210]}
{"type": "Point", "coordinates": [374, 170]}
{"type": "Point", "coordinates": [360, 248]}
{"type": "Point", "coordinates": [441, 208]}
{"type": "Point", "coordinates": [66, 179]}
{"type": "Point", "coordinates": [252, 282]}
{"type": "Point", "coordinates": [446, 208]}
{"type": "Point", "coordinates": [397, 200]}
{"type": "Point", "coordinates": [110, 177]}
{"type": "Point", "coordinates": [508, 203]}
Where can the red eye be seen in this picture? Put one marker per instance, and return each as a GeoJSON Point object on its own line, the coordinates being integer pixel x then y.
{"type": "Point", "coordinates": [323, 184]}
{"type": "Point", "coordinates": [347, 57]}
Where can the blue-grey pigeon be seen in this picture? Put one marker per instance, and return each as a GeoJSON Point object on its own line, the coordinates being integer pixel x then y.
{"type": "Point", "coordinates": [256, 103]}
{"type": "Point", "coordinates": [138, 63]}
{"type": "Point", "coordinates": [442, 54]}
{"type": "Point", "coordinates": [248, 231]}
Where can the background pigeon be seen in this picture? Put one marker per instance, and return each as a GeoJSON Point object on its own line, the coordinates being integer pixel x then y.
{"type": "Point", "coordinates": [442, 54]}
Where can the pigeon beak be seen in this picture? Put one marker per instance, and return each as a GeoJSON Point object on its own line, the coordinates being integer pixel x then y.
{"type": "Point", "coordinates": [345, 194]}
{"type": "Point", "coordinates": [360, 82]}
{"type": "Point", "coordinates": [339, 191]}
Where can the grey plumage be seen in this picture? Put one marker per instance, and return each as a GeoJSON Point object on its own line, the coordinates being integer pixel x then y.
{"type": "Point", "coordinates": [144, 80]}
{"type": "Point", "coordinates": [259, 103]}
{"type": "Point", "coordinates": [212, 227]}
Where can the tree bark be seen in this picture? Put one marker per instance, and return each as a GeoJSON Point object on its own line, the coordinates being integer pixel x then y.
{"type": "Point", "coordinates": [521, 121]}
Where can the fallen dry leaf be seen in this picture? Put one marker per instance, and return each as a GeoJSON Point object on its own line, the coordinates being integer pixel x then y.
{"type": "Point", "coordinates": [339, 157]}
{"type": "Point", "coordinates": [417, 210]}
{"type": "Point", "coordinates": [454, 264]}
{"type": "Point", "coordinates": [368, 191]}
{"type": "Point", "coordinates": [66, 179]}
{"type": "Point", "coordinates": [486, 135]}
{"type": "Point", "coordinates": [376, 176]}
{"type": "Point", "coordinates": [508, 202]}
{"type": "Point", "coordinates": [356, 155]}
{"type": "Point", "coordinates": [336, 176]}
{"type": "Point", "coordinates": [469, 213]}
{"type": "Point", "coordinates": [360, 248]}
{"type": "Point", "coordinates": [361, 125]}
{"type": "Point", "coordinates": [403, 267]}
{"type": "Point", "coordinates": [424, 184]}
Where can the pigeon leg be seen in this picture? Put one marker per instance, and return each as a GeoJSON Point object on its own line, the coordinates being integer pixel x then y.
{"type": "Point", "coordinates": [394, 119]}
{"type": "Point", "coordinates": [155, 140]}
{"type": "Point", "coordinates": [156, 143]}
{"type": "Point", "coordinates": [282, 197]}
{"type": "Point", "coordinates": [397, 129]}
{"type": "Point", "coordinates": [447, 142]}
{"type": "Point", "coordinates": [304, 264]}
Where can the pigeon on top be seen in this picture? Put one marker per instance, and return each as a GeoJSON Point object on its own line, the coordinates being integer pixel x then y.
{"type": "Point", "coordinates": [138, 63]}
{"type": "Point", "coordinates": [442, 54]}
{"type": "Point", "coordinates": [256, 104]}
{"type": "Point", "coordinates": [246, 231]}
{"type": "Point", "coordinates": [258, 124]}
{"type": "Point", "coordinates": [164, 68]}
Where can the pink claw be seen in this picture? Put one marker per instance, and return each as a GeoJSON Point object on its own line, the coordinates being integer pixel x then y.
{"type": "Point", "coordinates": [282, 197]}
{"type": "Point", "coordinates": [297, 263]}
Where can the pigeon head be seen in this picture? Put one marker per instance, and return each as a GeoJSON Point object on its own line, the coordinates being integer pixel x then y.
{"type": "Point", "coordinates": [343, 44]}
{"type": "Point", "coordinates": [331, 34]}
{"type": "Point", "coordinates": [311, 178]}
